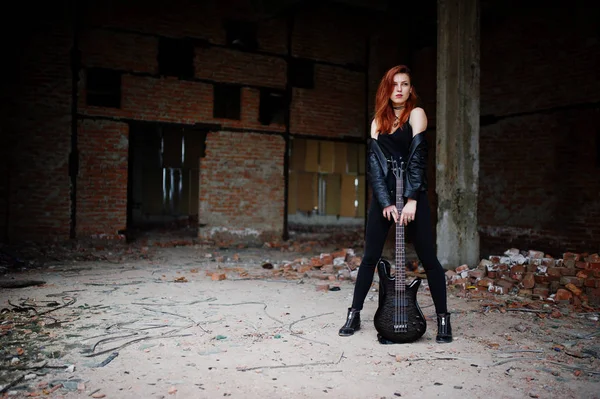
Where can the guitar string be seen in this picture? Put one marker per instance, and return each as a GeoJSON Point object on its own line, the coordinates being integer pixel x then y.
{"type": "Point", "coordinates": [400, 309]}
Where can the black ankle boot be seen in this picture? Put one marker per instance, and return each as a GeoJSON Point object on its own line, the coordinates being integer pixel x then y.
{"type": "Point", "coordinates": [444, 335]}
{"type": "Point", "coordinates": [352, 323]}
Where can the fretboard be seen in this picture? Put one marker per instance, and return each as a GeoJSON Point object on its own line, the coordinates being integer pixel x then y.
{"type": "Point", "coordinates": [400, 280]}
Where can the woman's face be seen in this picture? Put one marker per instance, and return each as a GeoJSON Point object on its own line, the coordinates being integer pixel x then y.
{"type": "Point", "coordinates": [402, 89]}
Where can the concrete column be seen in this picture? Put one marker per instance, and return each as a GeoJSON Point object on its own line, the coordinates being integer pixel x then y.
{"type": "Point", "coordinates": [457, 131]}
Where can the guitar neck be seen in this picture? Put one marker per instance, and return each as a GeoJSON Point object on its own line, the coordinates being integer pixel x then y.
{"type": "Point", "coordinates": [400, 280]}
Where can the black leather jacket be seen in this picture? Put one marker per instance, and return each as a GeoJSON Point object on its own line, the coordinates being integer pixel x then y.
{"type": "Point", "coordinates": [415, 177]}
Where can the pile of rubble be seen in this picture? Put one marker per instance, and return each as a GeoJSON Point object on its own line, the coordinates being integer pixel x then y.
{"type": "Point", "coordinates": [331, 267]}
{"type": "Point", "coordinates": [574, 279]}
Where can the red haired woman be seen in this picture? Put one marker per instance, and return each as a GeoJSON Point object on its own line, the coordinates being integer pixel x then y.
{"type": "Point", "coordinates": [397, 131]}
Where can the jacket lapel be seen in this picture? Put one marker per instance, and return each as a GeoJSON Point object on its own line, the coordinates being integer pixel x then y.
{"type": "Point", "coordinates": [416, 141]}
{"type": "Point", "coordinates": [374, 145]}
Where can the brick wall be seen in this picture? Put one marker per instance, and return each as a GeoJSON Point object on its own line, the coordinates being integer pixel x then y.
{"type": "Point", "coordinates": [334, 108]}
{"type": "Point", "coordinates": [543, 136]}
{"type": "Point", "coordinates": [241, 195]}
{"type": "Point", "coordinates": [36, 130]}
{"type": "Point", "coordinates": [102, 179]}
{"type": "Point", "coordinates": [539, 176]}
{"type": "Point", "coordinates": [126, 38]}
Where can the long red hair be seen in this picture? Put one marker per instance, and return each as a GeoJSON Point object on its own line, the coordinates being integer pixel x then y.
{"type": "Point", "coordinates": [384, 113]}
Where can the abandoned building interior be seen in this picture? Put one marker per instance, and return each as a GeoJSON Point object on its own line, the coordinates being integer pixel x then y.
{"type": "Point", "coordinates": [247, 120]}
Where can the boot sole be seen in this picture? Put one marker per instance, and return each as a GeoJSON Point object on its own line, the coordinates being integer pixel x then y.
{"type": "Point", "coordinates": [348, 334]}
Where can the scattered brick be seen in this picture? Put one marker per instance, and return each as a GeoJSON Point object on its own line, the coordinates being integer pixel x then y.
{"type": "Point", "coordinates": [462, 268]}
{"type": "Point", "coordinates": [535, 254]}
{"type": "Point", "coordinates": [571, 256]}
{"type": "Point", "coordinates": [582, 265]}
{"type": "Point", "coordinates": [322, 287]}
{"type": "Point", "coordinates": [218, 276]}
{"type": "Point", "coordinates": [571, 287]}
{"type": "Point", "coordinates": [563, 295]}
{"type": "Point", "coordinates": [528, 281]}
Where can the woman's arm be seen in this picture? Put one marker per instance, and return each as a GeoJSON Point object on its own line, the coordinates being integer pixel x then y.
{"type": "Point", "coordinates": [374, 130]}
{"type": "Point", "coordinates": [418, 120]}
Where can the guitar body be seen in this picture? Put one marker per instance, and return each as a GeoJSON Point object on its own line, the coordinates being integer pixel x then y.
{"type": "Point", "coordinates": [398, 319]}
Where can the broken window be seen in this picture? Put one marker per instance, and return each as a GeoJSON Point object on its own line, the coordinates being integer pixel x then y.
{"type": "Point", "coordinates": [103, 87]}
{"type": "Point", "coordinates": [326, 182]}
{"type": "Point", "coordinates": [176, 58]}
{"type": "Point", "coordinates": [164, 167]}
{"type": "Point", "coordinates": [301, 73]}
{"type": "Point", "coordinates": [241, 34]}
{"type": "Point", "coordinates": [226, 101]}
{"type": "Point", "coordinates": [272, 107]}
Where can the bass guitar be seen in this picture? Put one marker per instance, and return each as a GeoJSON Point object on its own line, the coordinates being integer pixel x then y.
{"type": "Point", "coordinates": [398, 318]}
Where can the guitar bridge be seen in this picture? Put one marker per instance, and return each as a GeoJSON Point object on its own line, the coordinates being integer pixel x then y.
{"type": "Point", "coordinates": [400, 327]}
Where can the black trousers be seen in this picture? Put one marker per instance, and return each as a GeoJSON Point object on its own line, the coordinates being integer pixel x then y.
{"type": "Point", "coordinates": [420, 233]}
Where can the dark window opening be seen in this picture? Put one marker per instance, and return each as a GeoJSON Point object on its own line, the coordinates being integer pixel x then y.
{"type": "Point", "coordinates": [176, 58]}
{"type": "Point", "coordinates": [301, 73]}
{"type": "Point", "coordinates": [241, 34]}
{"type": "Point", "coordinates": [272, 107]}
{"type": "Point", "coordinates": [226, 101]}
{"type": "Point", "coordinates": [103, 88]}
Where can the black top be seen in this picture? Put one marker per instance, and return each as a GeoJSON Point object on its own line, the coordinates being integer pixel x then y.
{"type": "Point", "coordinates": [397, 143]}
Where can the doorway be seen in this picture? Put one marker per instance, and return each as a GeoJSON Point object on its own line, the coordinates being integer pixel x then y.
{"type": "Point", "coordinates": [163, 181]}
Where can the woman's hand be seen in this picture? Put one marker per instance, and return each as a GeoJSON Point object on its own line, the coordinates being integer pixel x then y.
{"type": "Point", "coordinates": [408, 212]}
{"type": "Point", "coordinates": [390, 212]}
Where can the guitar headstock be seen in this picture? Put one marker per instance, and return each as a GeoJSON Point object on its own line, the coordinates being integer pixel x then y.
{"type": "Point", "coordinates": [397, 169]}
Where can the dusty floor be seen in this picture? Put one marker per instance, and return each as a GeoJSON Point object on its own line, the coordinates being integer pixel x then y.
{"type": "Point", "coordinates": [152, 323]}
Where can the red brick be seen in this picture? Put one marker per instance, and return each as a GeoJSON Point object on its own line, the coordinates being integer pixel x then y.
{"type": "Point", "coordinates": [568, 271]}
{"type": "Point", "coordinates": [461, 268]}
{"type": "Point", "coordinates": [571, 256]}
{"type": "Point", "coordinates": [554, 271]}
{"type": "Point", "coordinates": [517, 271]}
{"type": "Point", "coordinates": [593, 293]}
{"type": "Point", "coordinates": [506, 284]}
{"type": "Point", "coordinates": [571, 287]}
{"type": "Point", "coordinates": [578, 282]}
{"type": "Point", "coordinates": [477, 273]}
{"type": "Point", "coordinates": [528, 281]}
{"type": "Point", "coordinates": [540, 278]}
{"type": "Point", "coordinates": [460, 282]}
{"type": "Point", "coordinates": [340, 254]}
{"type": "Point", "coordinates": [583, 274]}
{"type": "Point", "coordinates": [592, 283]}
{"type": "Point", "coordinates": [548, 262]}
{"type": "Point", "coordinates": [564, 295]}
{"type": "Point", "coordinates": [327, 259]}
{"type": "Point", "coordinates": [582, 265]}
{"type": "Point", "coordinates": [594, 266]}
{"type": "Point", "coordinates": [503, 267]}
{"type": "Point", "coordinates": [322, 287]}
{"type": "Point", "coordinates": [542, 292]}
{"type": "Point", "coordinates": [535, 254]}
{"type": "Point", "coordinates": [593, 258]}
{"type": "Point", "coordinates": [485, 282]}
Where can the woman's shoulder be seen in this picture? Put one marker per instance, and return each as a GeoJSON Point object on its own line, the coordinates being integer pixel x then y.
{"type": "Point", "coordinates": [418, 112]}
{"type": "Point", "coordinates": [418, 120]}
